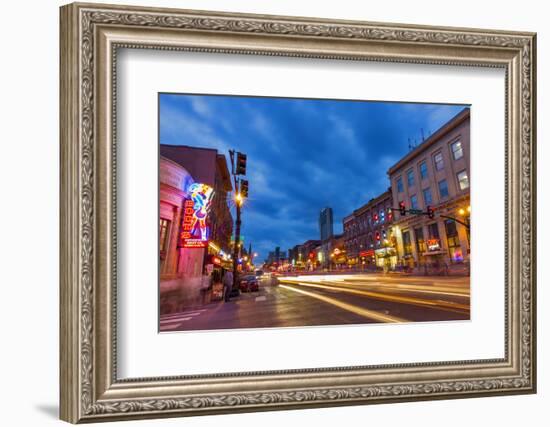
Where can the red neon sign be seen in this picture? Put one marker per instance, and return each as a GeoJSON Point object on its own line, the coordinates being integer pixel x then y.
{"type": "Point", "coordinates": [367, 253]}
{"type": "Point", "coordinates": [188, 227]}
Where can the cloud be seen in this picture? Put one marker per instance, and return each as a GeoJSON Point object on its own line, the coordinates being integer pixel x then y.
{"type": "Point", "coordinates": [303, 155]}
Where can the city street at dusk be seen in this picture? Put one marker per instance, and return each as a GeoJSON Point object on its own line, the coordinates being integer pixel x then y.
{"type": "Point", "coordinates": [310, 212]}
{"type": "Point", "coordinates": [332, 300]}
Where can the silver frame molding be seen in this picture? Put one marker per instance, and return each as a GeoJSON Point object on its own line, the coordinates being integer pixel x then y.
{"type": "Point", "coordinates": [90, 37]}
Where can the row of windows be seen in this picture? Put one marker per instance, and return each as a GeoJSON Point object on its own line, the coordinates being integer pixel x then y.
{"type": "Point", "coordinates": [463, 183]}
{"type": "Point", "coordinates": [365, 243]}
{"type": "Point", "coordinates": [367, 221]}
{"type": "Point", "coordinates": [433, 233]}
{"type": "Point", "coordinates": [457, 153]}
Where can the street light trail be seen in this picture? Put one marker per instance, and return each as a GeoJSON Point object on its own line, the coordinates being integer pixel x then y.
{"type": "Point", "coordinates": [366, 281]}
{"type": "Point", "coordinates": [435, 304]}
{"type": "Point", "coordinates": [373, 315]}
{"type": "Point", "coordinates": [415, 289]}
{"type": "Point", "coordinates": [429, 289]}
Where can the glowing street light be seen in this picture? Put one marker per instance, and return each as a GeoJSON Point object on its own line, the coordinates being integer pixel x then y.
{"type": "Point", "coordinates": [463, 211]}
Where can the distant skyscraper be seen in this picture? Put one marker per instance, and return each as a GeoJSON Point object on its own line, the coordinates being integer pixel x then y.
{"type": "Point", "coordinates": [326, 224]}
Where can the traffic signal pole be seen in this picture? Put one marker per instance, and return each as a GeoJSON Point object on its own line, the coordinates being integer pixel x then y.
{"type": "Point", "coordinates": [238, 167]}
{"type": "Point", "coordinates": [237, 239]}
{"type": "Point", "coordinates": [465, 224]}
{"type": "Point", "coordinates": [430, 212]}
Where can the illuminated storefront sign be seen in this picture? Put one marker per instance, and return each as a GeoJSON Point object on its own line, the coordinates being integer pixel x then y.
{"type": "Point", "coordinates": [433, 244]}
{"type": "Point", "coordinates": [194, 227]}
{"type": "Point", "coordinates": [367, 253]}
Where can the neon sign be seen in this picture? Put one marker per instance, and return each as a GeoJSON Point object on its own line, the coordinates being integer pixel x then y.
{"type": "Point", "coordinates": [195, 231]}
{"type": "Point", "coordinates": [433, 244]}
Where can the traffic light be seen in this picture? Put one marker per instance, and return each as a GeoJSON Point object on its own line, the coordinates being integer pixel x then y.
{"type": "Point", "coordinates": [378, 236]}
{"type": "Point", "coordinates": [430, 212]}
{"type": "Point", "coordinates": [402, 209]}
{"type": "Point", "coordinates": [241, 164]}
{"type": "Point", "coordinates": [244, 188]}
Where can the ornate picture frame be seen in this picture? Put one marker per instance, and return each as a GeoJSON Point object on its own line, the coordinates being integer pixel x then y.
{"type": "Point", "coordinates": [90, 37]}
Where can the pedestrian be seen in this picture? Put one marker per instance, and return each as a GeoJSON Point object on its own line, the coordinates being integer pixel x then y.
{"type": "Point", "coordinates": [227, 285]}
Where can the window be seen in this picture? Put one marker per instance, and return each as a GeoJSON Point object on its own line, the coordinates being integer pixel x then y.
{"type": "Point", "coordinates": [438, 161]}
{"type": "Point", "coordinates": [433, 243]}
{"type": "Point", "coordinates": [463, 181]}
{"type": "Point", "coordinates": [427, 192]}
{"type": "Point", "coordinates": [456, 148]}
{"type": "Point", "coordinates": [399, 185]}
{"type": "Point", "coordinates": [443, 189]}
{"type": "Point", "coordinates": [410, 178]}
{"type": "Point", "coordinates": [423, 170]}
{"type": "Point", "coordinates": [452, 241]}
{"type": "Point", "coordinates": [163, 235]}
{"type": "Point", "coordinates": [433, 231]}
{"type": "Point", "coordinates": [420, 242]}
{"type": "Point", "coordinates": [414, 202]}
{"type": "Point", "coordinates": [407, 247]}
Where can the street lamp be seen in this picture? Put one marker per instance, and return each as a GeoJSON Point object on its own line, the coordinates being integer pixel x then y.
{"type": "Point", "coordinates": [464, 211]}
{"type": "Point", "coordinates": [466, 214]}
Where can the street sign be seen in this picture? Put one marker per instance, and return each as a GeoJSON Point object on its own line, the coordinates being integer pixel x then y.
{"type": "Point", "coordinates": [416, 211]}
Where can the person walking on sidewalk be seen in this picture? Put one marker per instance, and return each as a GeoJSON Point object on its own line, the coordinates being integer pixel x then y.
{"type": "Point", "coordinates": [227, 285]}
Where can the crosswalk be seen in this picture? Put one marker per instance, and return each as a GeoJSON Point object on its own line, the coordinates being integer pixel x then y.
{"type": "Point", "coordinates": [170, 322]}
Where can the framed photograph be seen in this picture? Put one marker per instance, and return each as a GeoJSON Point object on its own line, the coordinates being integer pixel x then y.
{"type": "Point", "coordinates": [266, 212]}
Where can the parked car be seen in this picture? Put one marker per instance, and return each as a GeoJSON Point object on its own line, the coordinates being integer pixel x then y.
{"type": "Point", "coordinates": [249, 283]}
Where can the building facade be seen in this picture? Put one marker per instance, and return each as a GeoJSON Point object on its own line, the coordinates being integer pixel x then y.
{"type": "Point", "coordinates": [369, 235]}
{"type": "Point", "coordinates": [208, 166]}
{"type": "Point", "coordinates": [183, 266]}
{"type": "Point", "coordinates": [326, 232]}
{"type": "Point", "coordinates": [174, 181]}
{"type": "Point", "coordinates": [326, 224]}
{"type": "Point", "coordinates": [435, 174]}
{"type": "Point", "coordinates": [337, 252]}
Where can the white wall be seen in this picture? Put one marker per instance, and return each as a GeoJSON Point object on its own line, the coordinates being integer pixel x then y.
{"type": "Point", "coordinates": [29, 173]}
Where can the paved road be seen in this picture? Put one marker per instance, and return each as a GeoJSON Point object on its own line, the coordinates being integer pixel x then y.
{"type": "Point", "coordinates": [332, 300]}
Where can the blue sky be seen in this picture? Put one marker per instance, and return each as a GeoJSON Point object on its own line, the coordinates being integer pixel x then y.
{"type": "Point", "coordinates": [303, 155]}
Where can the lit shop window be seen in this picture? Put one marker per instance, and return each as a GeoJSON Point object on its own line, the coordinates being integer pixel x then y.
{"type": "Point", "coordinates": [420, 242]}
{"type": "Point", "coordinates": [407, 247]}
{"type": "Point", "coordinates": [164, 226]}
